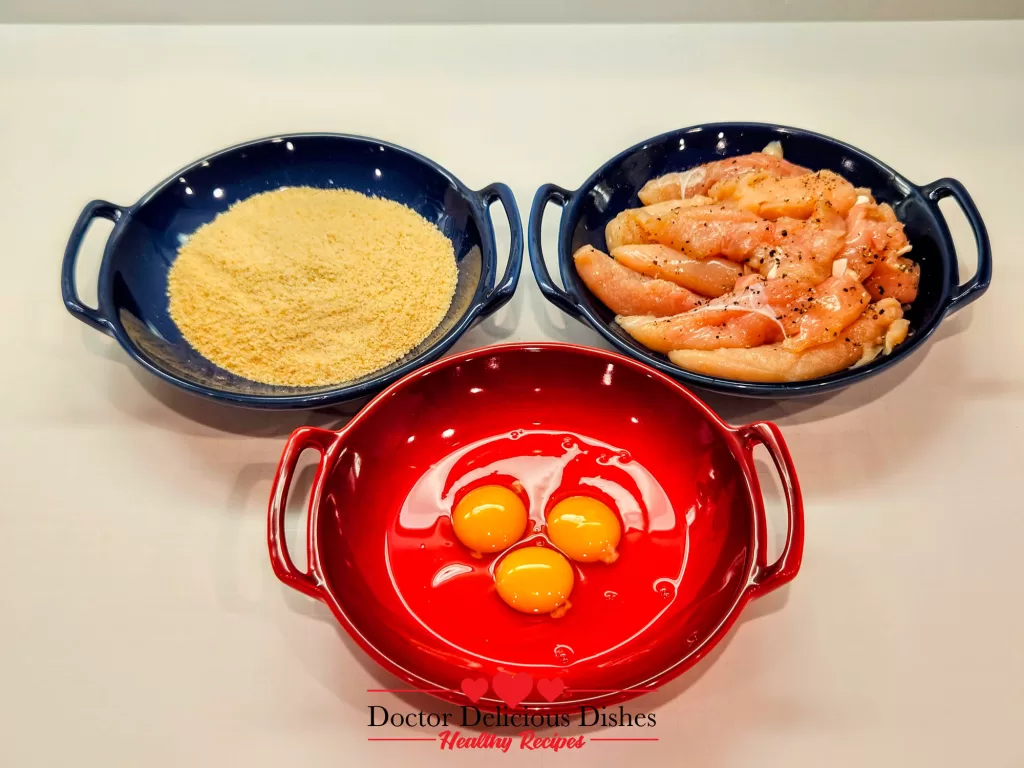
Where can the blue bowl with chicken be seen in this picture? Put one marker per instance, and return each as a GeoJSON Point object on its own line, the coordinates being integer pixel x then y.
{"type": "Point", "coordinates": [614, 187]}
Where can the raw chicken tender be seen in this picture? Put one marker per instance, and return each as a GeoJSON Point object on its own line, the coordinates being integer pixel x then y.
{"type": "Point", "coordinates": [699, 231]}
{"type": "Point", "coordinates": [625, 228]}
{"type": "Point", "coordinates": [743, 320]}
{"type": "Point", "coordinates": [819, 315]}
{"type": "Point", "coordinates": [772, 197]}
{"type": "Point", "coordinates": [708, 277]}
{"type": "Point", "coordinates": [697, 181]}
{"type": "Point", "coordinates": [873, 234]}
{"type": "Point", "coordinates": [626, 292]}
{"type": "Point", "coordinates": [800, 250]}
{"type": "Point", "coordinates": [773, 363]}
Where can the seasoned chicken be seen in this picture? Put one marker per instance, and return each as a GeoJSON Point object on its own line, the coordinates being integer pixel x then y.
{"type": "Point", "coordinates": [626, 292]}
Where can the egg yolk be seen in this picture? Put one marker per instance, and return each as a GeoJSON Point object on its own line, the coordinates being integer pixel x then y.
{"type": "Point", "coordinates": [535, 580]}
{"type": "Point", "coordinates": [489, 519]}
{"type": "Point", "coordinates": [585, 529]}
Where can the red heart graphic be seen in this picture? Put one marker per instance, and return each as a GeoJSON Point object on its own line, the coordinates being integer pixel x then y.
{"type": "Point", "coordinates": [512, 689]}
{"type": "Point", "coordinates": [474, 689]}
{"type": "Point", "coordinates": [550, 689]}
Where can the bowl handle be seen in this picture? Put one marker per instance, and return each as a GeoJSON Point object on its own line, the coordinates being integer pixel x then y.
{"type": "Point", "coordinates": [978, 284]}
{"type": "Point", "coordinates": [503, 291]}
{"type": "Point", "coordinates": [94, 318]}
{"type": "Point", "coordinates": [554, 294]}
{"type": "Point", "coordinates": [771, 577]}
{"type": "Point", "coordinates": [325, 442]}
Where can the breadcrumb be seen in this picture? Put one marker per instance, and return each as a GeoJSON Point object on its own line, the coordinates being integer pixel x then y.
{"type": "Point", "coordinates": [309, 287]}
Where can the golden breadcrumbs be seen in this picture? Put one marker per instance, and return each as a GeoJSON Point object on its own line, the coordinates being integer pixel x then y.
{"type": "Point", "coordinates": [307, 287]}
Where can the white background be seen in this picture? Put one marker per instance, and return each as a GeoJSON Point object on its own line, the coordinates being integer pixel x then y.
{"type": "Point", "coordinates": [142, 625]}
{"type": "Point", "coordinates": [489, 11]}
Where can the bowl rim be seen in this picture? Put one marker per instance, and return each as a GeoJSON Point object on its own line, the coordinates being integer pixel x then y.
{"type": "Point", "coordinates": [316, 585]}
{"type": "Point", "coordinates": [946, 252]}
{"type": "Point", "coordinates": [479, 210]}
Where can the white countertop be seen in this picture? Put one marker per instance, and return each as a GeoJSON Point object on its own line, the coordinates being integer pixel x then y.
{"type": "Point", "coordinates": [142, 625]}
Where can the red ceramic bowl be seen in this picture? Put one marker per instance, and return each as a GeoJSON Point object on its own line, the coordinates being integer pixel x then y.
{"type": "Point", "coordinates": [562, 420]}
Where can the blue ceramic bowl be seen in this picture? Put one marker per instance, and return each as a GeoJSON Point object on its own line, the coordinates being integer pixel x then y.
{"type": "Point", "coordinates": [614, 187]}
{"type": "Point", "coordinates": [132, 297]}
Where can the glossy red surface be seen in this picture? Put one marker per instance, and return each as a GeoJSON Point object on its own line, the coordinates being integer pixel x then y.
{"type": "Point", "coordinates": [435, 574]}
{"type": "Point", "coordinates": [561, 420]}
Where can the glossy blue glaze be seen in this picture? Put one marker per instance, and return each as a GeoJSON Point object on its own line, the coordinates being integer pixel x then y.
{"type": "Point", "coordinates": [146, 236]}
{"type": "Point", "coordinates": [614, 187]}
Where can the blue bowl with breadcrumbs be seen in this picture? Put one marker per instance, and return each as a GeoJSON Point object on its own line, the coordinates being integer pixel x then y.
{"type": "Point", "coordinates": [132, 304]}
